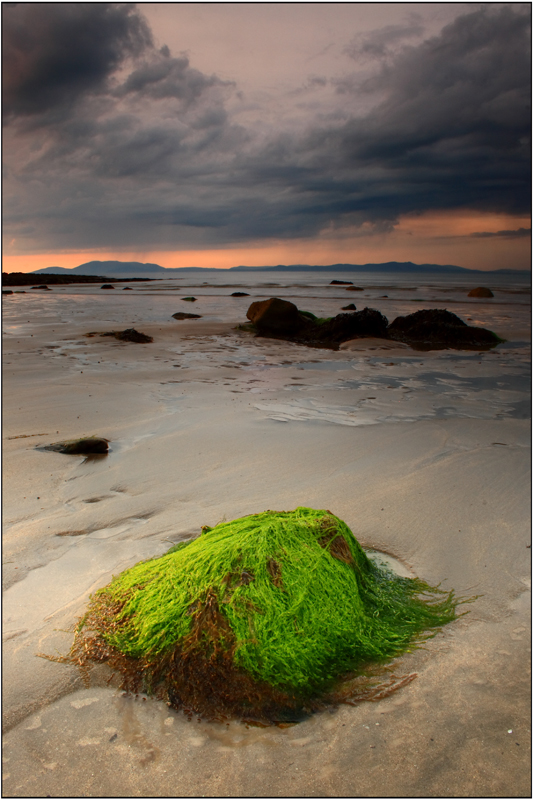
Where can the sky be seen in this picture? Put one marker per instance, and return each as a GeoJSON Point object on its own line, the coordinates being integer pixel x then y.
{"type": "Point", "coordinates": [221, 134]}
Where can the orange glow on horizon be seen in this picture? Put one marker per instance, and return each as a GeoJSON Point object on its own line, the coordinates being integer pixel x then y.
{"type": "Point", "coordinates": [437, 238]}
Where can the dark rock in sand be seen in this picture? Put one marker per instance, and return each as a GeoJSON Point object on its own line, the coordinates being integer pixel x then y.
{"type": "Point", "coordinates": [340, 283]}
{"type": "Point", "coordinates": [183, 315]}
{"type": "Point", "coordinates": [240, 294]}
{"type": "Point", "coordinates": [107, 286]}
{"type": "Point", "coordinates": [481, 291]}
{"type": "Point", "coordinates": [79, 447]}
{"type": "Point", "coordinates": [43, 286]}
{"type": "Point", "coordinates": [349, 307]}
{"type": "Point", "coordinates": [189, 299]}
{"type": "Point", "coordinates": [130, 335]}
{"type": "Point", "coordinates": [7, 291]}
{"type": "Point", "coordinates": [275, 316]}
{"type": "Point", "coordinates": [438, 327]}
{"type": "Point", "coordinates": [343, 327]}
{"type": "Point", "coordinates": [354, 288]}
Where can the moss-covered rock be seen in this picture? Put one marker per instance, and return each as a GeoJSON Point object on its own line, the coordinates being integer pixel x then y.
{"type": "Point", "coordinates": [264, 613]}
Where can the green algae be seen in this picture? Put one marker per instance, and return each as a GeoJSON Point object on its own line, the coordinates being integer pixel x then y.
{"type": "Point", "coordinates": [285, 600]}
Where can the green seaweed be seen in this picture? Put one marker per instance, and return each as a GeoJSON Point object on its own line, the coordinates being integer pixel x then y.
{"type": "Point", "coordinates": [287, 600]}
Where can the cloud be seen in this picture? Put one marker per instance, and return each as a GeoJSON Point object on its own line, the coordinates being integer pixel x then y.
{"type": "Point", "coordinates": [519, 233]}
{"type": "Point", "coordinates": [131, 146]}
{"type": "Point", "coordinates": [53, 53]}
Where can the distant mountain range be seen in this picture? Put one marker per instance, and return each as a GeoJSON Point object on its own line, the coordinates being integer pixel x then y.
{"type": "Point", "coordinates": [135, 268]}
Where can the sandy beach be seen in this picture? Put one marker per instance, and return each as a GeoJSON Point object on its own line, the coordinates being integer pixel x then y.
{"type": "Point", "coordinates": [425, 455]}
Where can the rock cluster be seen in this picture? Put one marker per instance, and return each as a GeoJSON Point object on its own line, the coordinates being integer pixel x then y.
{"type": "Point", "coordinates": [427, 329]}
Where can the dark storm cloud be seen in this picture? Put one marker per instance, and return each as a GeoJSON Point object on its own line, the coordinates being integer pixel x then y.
{"type": "Point", "coordinates": [146, 153]}
{"type": "Point", "coordinates": [54, 52]}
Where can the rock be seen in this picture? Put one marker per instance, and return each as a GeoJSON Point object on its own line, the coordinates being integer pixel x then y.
{"type": "Point", "coordinates": [189, 299]}
{"type": "Point", "coordinates": [340, 283]}
{"type": "Point", "coordinates": [7, 291]}
{"type": "Point", "coordinates": [481, 291]}
{"type": "Point", "coordinates": [130, 335]}
{"type": "Point", "coordinates": [240, 294]}
{"type": "Point", "coordinates": [349, 307]}
{"type": "Point", "coordinates": [343, 327]}
{"type": "Point", "coordinates": [276, 316]}
{"type": "Point", "coordinates": [107, 286]}
{"type": "Point", "coordinates": [43, 286]}
{"type": "Point", "coordinates": [127, 289]}
{"type": "Point", "coordinates": [441, 328]}
{"type": "Point", "coordinates": [183, 315]}
{"type": "Point", "coordinates": [354, 288]}
{"type": "Point", "coordinates": [79, 447]}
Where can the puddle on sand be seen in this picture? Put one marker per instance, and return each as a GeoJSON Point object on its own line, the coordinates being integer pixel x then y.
{"type": "Point", "coordinates": [388, 562]}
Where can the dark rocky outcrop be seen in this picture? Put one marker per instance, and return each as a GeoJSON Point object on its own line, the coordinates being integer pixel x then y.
{"type": "Point", "coordinates": [7, 291]}
{"type": "Point", "coordinates": [276, 316]}
{"type": "Point", "coordinates": [340, 283]}
{"type": "Point", "coordinates": [107, 286]}
{"type": "Point", "coordinates": [349, 307]}
{"type": "Point", "coordinates": [343, 327]}
{"type": "Point", "coordinates": [189, 299]}
{"type": "Point", "coordinates": [184, 315]}
{"type": "Point", "coordinates": [43, 286]}
{"type": "Point", "coordinates": [424, 330]}
{"type": "Point", "coordinates": [127, 289]}
{"type": "Point", "coordinates": [79, 447]}
{"type": "Point", "coordinates": [436, 328]}
{"type": "Point", "coordinates": [240, 294]}
{"type": "Point", "coordinates": [481, 291]}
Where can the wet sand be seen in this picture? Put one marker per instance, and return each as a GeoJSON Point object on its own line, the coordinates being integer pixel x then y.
{"type": "Point", "coordinates": [426, 456]}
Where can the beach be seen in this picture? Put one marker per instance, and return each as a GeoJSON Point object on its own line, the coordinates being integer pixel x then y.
{"type": "Point", "coordinates": [424, 454]}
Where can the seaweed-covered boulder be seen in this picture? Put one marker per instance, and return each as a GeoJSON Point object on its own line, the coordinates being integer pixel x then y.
{"type": "Point", "coordinates": [438, 327]}
{"type": "Point", "coordinates": [258, 618]}
{"type": "Point", "coordinates": [368, 322]}
{"type": "Point", "coordinates": [184, 315]}
{"type": "Point", "coordinates": [481, 291]}
{"type": "Point", "coordinates": [90, 445]}
{"type": "Point", "coordinates": [275, 316]}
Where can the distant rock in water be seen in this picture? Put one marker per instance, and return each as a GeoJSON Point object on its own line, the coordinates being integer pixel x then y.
{"type": "Point", "coordinates": [79, 447]}
{"type": "Point", "coordinates": [7, 291]}
{"type": "Point", "coordinates": [240, 294]}
{"type": "Point", "coordinates": [43, 286]}
{"type": "Point", "coordinates": [129, 335]}
{"type": "Point", "coordinates": [184, 315]}
{"type": "Point", "coordinates": [127, 289]}
{"type": "Point", "coordinates": [349, 307]}
{"type": "Point", "coordinates": [107, 286]}
{"type": "Point", "coordinates": [354, 288]}
{"type": "Point", "coordinates": [481, 291]}
{"type": "Point", "coordinates": [440, 328]}
{"type": "Point", "coordinates": [189, 299]}
{"type": "Point", "coordinates": [340, 283]}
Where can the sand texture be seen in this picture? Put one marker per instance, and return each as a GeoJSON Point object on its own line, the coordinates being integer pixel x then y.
{"type": "Point", "coordinates": [425, 455]}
